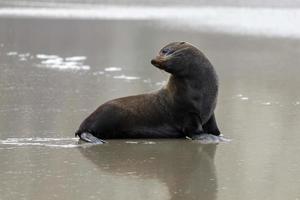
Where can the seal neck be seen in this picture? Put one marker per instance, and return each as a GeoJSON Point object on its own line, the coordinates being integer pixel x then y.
{"type": "Point", "coordinates": [190, 90]}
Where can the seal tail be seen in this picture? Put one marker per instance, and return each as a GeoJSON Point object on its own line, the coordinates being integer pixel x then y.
{"type": "Point", "coordinates": [88, 137]}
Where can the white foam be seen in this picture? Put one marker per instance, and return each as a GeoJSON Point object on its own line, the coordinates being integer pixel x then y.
{"type": "Point", "coordinates": [53, 61]}
{"type": "Point", "coordinates": [280, 22]}
{"type": "Point", "coordinates": [65, 67]}
{"type": "Point", "coordinates": [131, 142]}
{"type": "Point", "coordinates": [45, 142]}
{"type": "Point", "coordinates": [57, 62]}
{"type": "Point", "coordinates": [112, 69]}
{"type": "Point", "coordinates": [244, 98]}
{"type": "Point", "coordinates": [12, 53]}
{"type": "Point", "coordinates": [45, 56]}
{"type": "Point", "coordinates": [266, 103]}
{"type": "Point", "coordinates": [126, 77]}
{"type": "Point", "coordinates": [39, 139]}
{"type": "Point", "coordinates": [149, 142]}
{"type": "Point", "coordinates": [76, 58]}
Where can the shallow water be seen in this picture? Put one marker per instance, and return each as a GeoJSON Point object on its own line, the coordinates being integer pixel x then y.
{"type": "Point", "coordinates": [55, 72]}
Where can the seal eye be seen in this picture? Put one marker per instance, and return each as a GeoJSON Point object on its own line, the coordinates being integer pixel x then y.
{"type": "Point", "coordinates": [167, 51]}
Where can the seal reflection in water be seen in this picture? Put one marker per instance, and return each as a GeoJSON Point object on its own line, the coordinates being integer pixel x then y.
{"type": "Point", "coordinates": [184, 107]}
{"type": "Point", "coordinates": [186, 168]}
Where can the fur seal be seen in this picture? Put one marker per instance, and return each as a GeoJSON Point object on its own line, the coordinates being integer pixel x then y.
{"type": "Point", "coordinates": [184, 107]}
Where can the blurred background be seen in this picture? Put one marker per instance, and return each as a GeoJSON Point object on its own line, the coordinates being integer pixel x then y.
{"type": "Point", "coordinates": [59, 60]}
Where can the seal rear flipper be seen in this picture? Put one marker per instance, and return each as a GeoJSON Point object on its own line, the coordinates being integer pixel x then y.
{"type": "Point", "coordinates": [88, 137]}
{"type": "Point", "coordinates": [207, 138]}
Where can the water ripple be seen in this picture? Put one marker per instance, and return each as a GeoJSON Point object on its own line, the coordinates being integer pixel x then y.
{"type": "Point", "coordinates": [44, 142]}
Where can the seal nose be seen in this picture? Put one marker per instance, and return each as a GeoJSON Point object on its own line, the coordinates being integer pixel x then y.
{"type": "Point", "coordinates": [154, 62]}
{"type": "Point", "coordinates": [158, 61]}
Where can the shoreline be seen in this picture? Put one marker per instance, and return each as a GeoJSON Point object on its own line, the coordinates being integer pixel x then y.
{"type": "Point", "coordinates": [229, 20]}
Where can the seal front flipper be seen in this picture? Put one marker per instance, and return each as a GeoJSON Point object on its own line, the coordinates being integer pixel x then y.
{"type": "Point", "coordinates": [207, 138]}
{"type": "Point", "coordinates": [88, 137]}
{"type": "Point", "coordinates": [192, 125]}
{"type": "Point", "coordinates": [211, 126]}
{"type": "Point", "coordinates": [206, 134]}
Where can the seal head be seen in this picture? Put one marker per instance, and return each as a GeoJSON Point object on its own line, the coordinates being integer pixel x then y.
{"type": "Point", "coordinates": [179, 59]}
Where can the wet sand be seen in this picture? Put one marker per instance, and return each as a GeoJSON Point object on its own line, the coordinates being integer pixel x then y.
{"type": "Point", "coordinates": [258, 108]}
